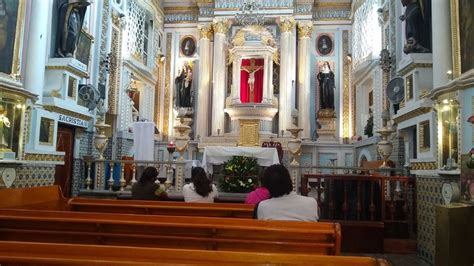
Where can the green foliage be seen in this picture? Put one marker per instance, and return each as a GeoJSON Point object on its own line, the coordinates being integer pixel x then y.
{"type": "Point", "coordinates": [369, 128]}
{"type": "Point", "coordinates": [240, 175]}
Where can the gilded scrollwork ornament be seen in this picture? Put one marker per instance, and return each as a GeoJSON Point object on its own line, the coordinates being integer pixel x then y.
{"type": "Point", "coordinates": [305, 29]}
{"type": "Point", "coordinates": [286, 23]}
{"type": "Point", "coordinates": [221, 26]}
{"type": "Point", "coordinates": [205, 31]}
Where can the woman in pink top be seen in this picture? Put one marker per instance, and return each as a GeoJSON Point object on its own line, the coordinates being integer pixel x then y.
{"type": "Point", "coordinates": [259, 194]}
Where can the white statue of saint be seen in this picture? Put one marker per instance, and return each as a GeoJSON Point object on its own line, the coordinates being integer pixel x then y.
{"type": "Point", "coordinates": [4, 122]}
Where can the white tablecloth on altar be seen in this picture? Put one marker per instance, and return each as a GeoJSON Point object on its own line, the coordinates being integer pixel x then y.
{"type": "Point", "coordinates": [143, 140]}
{"type": "Point", "coordinates": [218, 155]}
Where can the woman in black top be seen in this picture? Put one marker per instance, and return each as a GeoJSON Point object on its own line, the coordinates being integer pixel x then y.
{"type": "Point", "coordinates": [146, 188]}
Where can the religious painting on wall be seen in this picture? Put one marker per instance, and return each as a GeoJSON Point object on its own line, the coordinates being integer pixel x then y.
{"type": "Point", "coordinates": [83, 50]}
{"type": "Point", "coordinates": [325, 44]}
{"type": "Point", "coordinates": [187, 46]}
{"type": "Point", "coordinates": [10, 30]}
{"type": "Point", "coordinates": [462, 23]}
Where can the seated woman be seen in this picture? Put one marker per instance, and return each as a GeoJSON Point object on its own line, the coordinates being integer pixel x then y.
{"type": "Point", "coordinates": [259, 194]}
{"type": "Point", "coordinates": [146, 188]}
{"type": "Point", "coordinates": [284, 204]}
{"type": "Point", "coordinates": [201, 189]}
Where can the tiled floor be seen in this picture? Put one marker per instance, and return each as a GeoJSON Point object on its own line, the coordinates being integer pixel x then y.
{"type": "Point", "coordinates": [399, 259]}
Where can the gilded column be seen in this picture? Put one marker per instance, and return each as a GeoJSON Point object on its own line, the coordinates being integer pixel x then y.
{"type": "Point", "coordinates": [286, 25]}
{"type": "Point", "coordinates": [441, 26]}
{"type": "Point", "coordinates": [305, 30]}
{"type": "Point", "coordinates": [36, 49]}
{"type": "Point", "coordinates": [220, 27]}
{"type": "Point", "coordinates": [204, 81]}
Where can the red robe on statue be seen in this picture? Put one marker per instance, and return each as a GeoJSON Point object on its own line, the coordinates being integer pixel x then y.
{"type": "Point", "coordinates": [251, 67]}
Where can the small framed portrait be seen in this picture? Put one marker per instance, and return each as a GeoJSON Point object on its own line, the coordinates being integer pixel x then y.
{"type": "Point", "coordinates": [83, 50]}
{"type": "Point", "coordinates": [187, 46]}
{"type": "Point", "coordinates": [324, 44]}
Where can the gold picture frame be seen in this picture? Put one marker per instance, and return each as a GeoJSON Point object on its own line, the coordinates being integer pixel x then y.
{"type": "Point", "coordinates": [461, 44]}
{"type": "Point", "coordinates": [424, 132]}
{"type": "Point", "coordinates": [249, 132]}
{"type": "Point", "coordinates": [18, 41]}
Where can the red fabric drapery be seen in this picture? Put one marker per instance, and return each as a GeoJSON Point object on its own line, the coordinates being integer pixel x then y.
{"type": "Point", "coordinates": [245, 95]}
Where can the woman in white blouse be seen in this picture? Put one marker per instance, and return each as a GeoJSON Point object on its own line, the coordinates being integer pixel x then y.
{"type": "Point", "coordinates": [201, 189]}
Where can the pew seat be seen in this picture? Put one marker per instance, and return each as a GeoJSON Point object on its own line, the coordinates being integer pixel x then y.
{"type": "Point", "coordinates": [45, 198]}
{"type": "Point", "coordinates": [26, 253]}
{"type": "Point", "coordinates": [208, 233]}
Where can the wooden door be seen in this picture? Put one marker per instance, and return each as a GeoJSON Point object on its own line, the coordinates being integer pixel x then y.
{"type": "Point", "coordinates": [65, 143]}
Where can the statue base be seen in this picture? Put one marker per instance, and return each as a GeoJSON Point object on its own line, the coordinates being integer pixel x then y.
{"type": "Point", "coordinates": [327, 132]}
{"type": "Point", "coordinates": [7, 155]}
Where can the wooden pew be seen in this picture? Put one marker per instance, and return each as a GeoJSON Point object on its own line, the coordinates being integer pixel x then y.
{"type": "Point", "coordinates": [45, 198]}
{"type": "Point", "coordinates": [161, 207]}
{"type": "Point", "coordinates": [74, 254]}
{"type": "Point", "coordinates": [170, 231]}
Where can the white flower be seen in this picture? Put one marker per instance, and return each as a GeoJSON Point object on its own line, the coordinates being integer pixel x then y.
{"type": "Point", "coordinates": [250, 180]}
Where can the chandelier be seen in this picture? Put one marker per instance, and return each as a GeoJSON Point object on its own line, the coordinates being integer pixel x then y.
{"type": "Point", "coordinates": [249, 14]}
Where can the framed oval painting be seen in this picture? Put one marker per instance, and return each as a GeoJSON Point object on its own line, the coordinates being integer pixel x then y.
{"type": "Point", "coordinates": [187, 46]}
{"type": "Point", "coordinates": [324, 44]}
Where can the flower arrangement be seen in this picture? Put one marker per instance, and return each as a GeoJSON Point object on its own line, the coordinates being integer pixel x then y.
{"type": "Point", "coordinates": [240, 175]}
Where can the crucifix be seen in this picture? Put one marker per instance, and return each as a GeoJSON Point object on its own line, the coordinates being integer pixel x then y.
{"type": "Point", "coordinates": [251, 69]}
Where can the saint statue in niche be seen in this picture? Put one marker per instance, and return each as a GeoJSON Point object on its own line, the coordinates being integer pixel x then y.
{"type": "Point", "coordinates": [183, 87]}
{"type": "Point", "coordinates": [326, 86]}
{"type": "Point", "coordinates": [71, 16]}
{"type": "Point", "coordinates": [4, 126]}
{"type": "Point", "coordinates": [251, 80]}
{"type": "Point", "coordinates": [8, 19]}
{"type": "Point", "coordinates": [417, 19]}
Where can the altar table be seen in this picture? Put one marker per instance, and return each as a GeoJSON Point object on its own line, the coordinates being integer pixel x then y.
{"type": "Point", "coordinates": [219, 154]}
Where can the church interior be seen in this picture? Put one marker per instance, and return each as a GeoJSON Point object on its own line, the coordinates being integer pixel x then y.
{"type": "Point", "coordinates": [369, 104]}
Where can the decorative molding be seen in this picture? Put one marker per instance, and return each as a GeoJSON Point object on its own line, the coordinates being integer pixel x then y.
{"type": "Point", "coordinates": [181, 17]}
{"type": "Point", "coordinates": [206, 11]}
{"type": "Point", "coordinates": [331, 14]}
{"type": "Point", "coordinates": [346, 86]}
{"type": "Point", "coordinates": [43, 157]}
{"type": "Point", "coordinates": [221, 26]}
{"type": "Point", "coordinates": [70, 69]}
{"type": "Point", "coordinates": [249, 132]}
{"type": "Point", "coordinates": [412, 66]}
{"type": "Point", "coordinates": [59, 110]}
{"type": "Point", "coordinates": [158, 95]}
{"type": "Point", "coordinates": [414, 113]}
{"type": "Point", "coordinates": [231, 4]}
{"type": "Point", "coordinates": [205, 31]}
{"type": "Point", "coordinates": [166, 112]}
{"type": "Point", "coordinates": [115, 65]}
{"type": "Point", "coordinates": [303, 9]}
{"type": "Point", "coordinates": [286, 23]}
{"type": "Point", "coordinates": [423, 166]}
{"type": "Point", "coordinates": [305, 29]}
{"type": "Point", "coordinates": [456, 38]}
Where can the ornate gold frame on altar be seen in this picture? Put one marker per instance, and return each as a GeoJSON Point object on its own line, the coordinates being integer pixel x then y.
{"type": "Point", "coordinates": [463, 55]}
{"type": "Point", "coordinates": [249, 135]}
{"type": "Point", "coordinates": [18, 40]}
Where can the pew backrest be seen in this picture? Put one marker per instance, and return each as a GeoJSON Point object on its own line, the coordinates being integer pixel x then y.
{"type": "Point", "coordinates": [171, 231]}
{"type": "Point", "coordinates": [44, 253]}
{"type": "Point", "coordinates": [47, 198]}
{"type": "Point", "coordinates": [235, 210]}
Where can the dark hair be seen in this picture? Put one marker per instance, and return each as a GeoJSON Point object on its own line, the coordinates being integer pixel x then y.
{"type": "Point", "coordinates": [148, 175]}
{"type": "Point", "coordinates": [202, 184]}
{"type": "Point", "coordinates": [278, 180]}
{"type": "Point", "coordinates": [263, 179]}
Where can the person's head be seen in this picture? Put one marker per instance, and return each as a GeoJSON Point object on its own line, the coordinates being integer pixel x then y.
{"type": "Point", "coordinates": [149, 175]}
{"type": "Point", "coordinates": [263, 180]}
{"type": "Point", "coordinates": [326, 66]}
{"type": "Point", "coordinates": [278, 180]}
{"type": "Point", "coordinates": [202, 185]}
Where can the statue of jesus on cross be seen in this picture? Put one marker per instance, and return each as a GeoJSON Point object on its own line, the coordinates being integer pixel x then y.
{"type": "Point", "coordinates": [251, 69]}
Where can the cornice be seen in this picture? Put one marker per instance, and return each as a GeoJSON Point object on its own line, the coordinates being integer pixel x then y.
{"type": "Point", "coordinates": [466, 81]}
